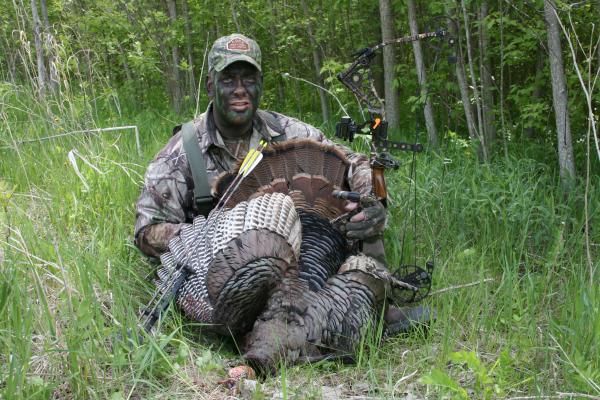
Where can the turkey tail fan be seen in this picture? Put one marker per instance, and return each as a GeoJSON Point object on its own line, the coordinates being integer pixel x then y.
{"type": "Point", "coordinates": [306, 170]}
{"type": "Point", "coordinates": [234, 262]}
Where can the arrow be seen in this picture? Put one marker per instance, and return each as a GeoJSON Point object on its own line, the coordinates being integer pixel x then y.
{"type": "Point", "coordinates": [250, 162]}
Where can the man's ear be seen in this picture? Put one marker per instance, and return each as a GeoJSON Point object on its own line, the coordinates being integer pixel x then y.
{"type": "Point", "coordinates": [210, 86]}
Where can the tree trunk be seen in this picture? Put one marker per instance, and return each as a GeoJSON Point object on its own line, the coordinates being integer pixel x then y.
{"type": "Point", "coordinates": [461, 78]}
{"type": "Point", "coordinates": [44, 9]}
{"type": "Point", "coordinates": [598, 16]}
{"type": "Point", "coordinates": [39, 48]}
{"type": "Point", "coordinates": [234, 16]}
{"type": "Point", "coordinates": [482, 146]}
{"type": "Point", "coordinates": [175, 78]}
{"type": "Point", "coordinates": [466, 98]}
{"type": "Point", "coordinates": [487, 83]}
{"type": "Point", "coordinates": [317, 61]}
{"type": "Point", "coordinates": [559, 97]}
{"type": "Point", "coordinates": [192, 87]}
{"type": "Point", "coordinates": [421, 74]}
{"type": "Point", "coordinates": [502, 115]}
{"type": "Point", "coordinates": [50, 46]}
{"type": "Point", "coordinates": [389, 64]}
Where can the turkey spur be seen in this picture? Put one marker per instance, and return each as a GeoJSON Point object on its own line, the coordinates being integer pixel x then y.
{"type": "Point", "coordinates": [272, 269]}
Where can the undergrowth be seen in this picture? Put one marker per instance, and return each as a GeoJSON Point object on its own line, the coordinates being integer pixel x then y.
{"type": "Point", "coordinates": [72, 283]}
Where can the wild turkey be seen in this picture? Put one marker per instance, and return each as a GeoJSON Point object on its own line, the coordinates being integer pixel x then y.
{"type": "Point", "coordinates": [273, 268]}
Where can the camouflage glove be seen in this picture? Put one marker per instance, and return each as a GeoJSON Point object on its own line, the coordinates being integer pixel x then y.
{"type": "Point", "coordinates": [153, 240]}
{"type": "Point", "coordinates": [367, 223]}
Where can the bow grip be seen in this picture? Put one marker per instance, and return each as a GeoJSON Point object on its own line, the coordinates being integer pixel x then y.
{"type": "Point", "coordinates": [378, 182]}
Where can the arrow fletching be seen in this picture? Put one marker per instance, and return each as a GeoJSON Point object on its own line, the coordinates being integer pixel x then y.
{"type": "Point", "coordinates": [251, 157]}
{"type": "Point", "coordinates": [250, 167]}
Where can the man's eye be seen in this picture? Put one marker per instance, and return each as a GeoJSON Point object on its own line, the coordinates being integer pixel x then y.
{"type": "Point", "coordinates": [249, 81]}
{"type": "Point", "coordinates": [227, 81]}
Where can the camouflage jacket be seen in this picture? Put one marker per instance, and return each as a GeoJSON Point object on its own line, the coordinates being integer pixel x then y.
{"type": "Point", "coordinates": [167, 198]}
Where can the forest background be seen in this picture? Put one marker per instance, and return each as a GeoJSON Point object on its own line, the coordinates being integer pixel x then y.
{"type": "Point", "coordinates": [505, 200]}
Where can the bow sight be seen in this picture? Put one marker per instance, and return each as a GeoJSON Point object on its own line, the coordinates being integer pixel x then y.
{"type": "Point", "coordinates": [346, 129]}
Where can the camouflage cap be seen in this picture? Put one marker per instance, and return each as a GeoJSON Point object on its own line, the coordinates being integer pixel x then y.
{"type": "Point", "coordinates": [236, 47]}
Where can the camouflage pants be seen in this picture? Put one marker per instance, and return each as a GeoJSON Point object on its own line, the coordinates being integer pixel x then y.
{"type": "Point", "coordinates": [374, 247]}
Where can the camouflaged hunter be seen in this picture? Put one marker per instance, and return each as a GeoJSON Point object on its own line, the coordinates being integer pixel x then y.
{"type": "Point", "coordinates": [223, 138]}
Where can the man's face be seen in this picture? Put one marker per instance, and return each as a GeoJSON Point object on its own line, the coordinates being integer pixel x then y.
{"type": "Point", "coordinates": [236, 92]}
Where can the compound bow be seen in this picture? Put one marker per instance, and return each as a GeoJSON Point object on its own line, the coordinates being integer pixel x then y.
{"type": "Point", "coordinates": [358, 78]}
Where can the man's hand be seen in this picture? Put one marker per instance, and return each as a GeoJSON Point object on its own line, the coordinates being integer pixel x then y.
{"type": "Point", "coordinates": [153, 240]}
{"type": "Point", "coordinates": [367, 223]}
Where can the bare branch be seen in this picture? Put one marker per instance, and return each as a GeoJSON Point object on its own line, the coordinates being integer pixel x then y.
{"type": "Point", "coordinates": [487, 280]}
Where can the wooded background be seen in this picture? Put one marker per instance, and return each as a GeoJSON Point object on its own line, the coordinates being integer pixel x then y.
{"type": "Point", "coordinates": [505, 202]}
{"type": "Point", "coordinates": [524, 72]}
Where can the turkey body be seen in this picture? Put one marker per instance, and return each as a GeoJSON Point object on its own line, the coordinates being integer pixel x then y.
{"type": "Point", "coordinates": [272, 268]}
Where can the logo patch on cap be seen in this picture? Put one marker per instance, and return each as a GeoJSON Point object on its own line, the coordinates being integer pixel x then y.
{"type": "Point", "coordinates": [238, 44]}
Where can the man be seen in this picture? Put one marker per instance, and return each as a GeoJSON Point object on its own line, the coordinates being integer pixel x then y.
{"type": "Point", "coordinates": [221, 136]}
{"type": "Point", "coordinates": [231, 125]}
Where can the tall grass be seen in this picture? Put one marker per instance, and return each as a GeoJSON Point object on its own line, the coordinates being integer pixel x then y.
{"type": "Point", "coordinates": [71, 280]}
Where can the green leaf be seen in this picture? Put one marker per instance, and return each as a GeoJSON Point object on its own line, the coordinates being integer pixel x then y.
{"type": "Point", "coordinates": [439, 378]}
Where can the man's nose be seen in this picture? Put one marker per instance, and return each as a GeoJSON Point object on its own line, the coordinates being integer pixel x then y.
{"type": "Point", "coordinates": [240, 89]}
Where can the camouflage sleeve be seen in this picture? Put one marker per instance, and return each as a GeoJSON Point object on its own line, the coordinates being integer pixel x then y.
{"type": "Point", "coordinates": [165, 202]}
{"type": "Point", "coordinates": [359, 174]}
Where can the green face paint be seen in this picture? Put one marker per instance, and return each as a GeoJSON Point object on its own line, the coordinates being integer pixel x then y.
{"type": "Point", "coordinates": [237, 91]}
